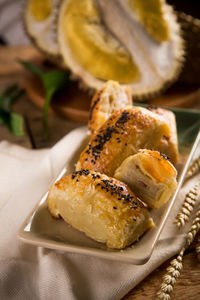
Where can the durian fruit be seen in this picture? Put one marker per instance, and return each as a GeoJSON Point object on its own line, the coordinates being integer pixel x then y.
{"type": "Point", "coordinates": [40, 23]}
{"type": "Point", "coordinates": [191, 33]}
{"type": "Point", "coordinates": [135, 42]}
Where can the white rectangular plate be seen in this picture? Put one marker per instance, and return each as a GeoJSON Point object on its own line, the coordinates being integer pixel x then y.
{"type": "Point", "coordinates": [41, 229]}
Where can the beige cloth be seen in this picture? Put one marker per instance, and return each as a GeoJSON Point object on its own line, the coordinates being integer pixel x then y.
{"type": "Point", "coordinates": [29, 272]}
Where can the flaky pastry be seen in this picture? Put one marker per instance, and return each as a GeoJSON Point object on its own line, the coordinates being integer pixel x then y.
{"type": "Point", "coordinates": [169, 143]}
{"type": "Point", "coordinates": [150, 176]}
{"type": "Point", "coordinates": [110, 98]}
{"type": "Point", "coordinates": [125, 132]}
{"type": "Point", "coordinates": [103, 208]}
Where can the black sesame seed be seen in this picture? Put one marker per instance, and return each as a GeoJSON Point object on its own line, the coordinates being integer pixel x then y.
{"type": "Point", "coordinates": [123, 118]}
{"type": "Point", "coordinates": [120, 188]}
{"type": "Point", "coordinates": [164, 156]}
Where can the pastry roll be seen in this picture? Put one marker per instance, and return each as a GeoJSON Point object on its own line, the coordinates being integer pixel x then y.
{"type": "Point", "coordinates": [125, 132]}
{"type": "Point", "coordinates": [110, 98]}
{"type": "Point", "coordinates": [150, 176]}
{"type": "Point", "coordinates": [169, 143]}
{"type": "Point", "coordinates": [103, 208]}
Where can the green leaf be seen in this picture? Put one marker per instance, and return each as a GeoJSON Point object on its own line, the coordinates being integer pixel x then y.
{"type": "Point", "coordinates": [13, 121]}
{"type": "Point", "coordinates": [48, 98]}
{"type": "Point", "coordinates": [52, 81]}
{"type": "Point", "coordinates": [31, 67]}
{"type": "Point", "coordinates": [16, 124]}
{"type": "Point", "coordinates": [9, 96]}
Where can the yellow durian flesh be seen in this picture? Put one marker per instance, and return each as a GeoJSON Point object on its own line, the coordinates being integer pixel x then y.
{"type": "Point", "coordinates": [151, 15]}
{"type": "Point", "coordinates": [96, 49]}
{"type": "Point", "coordinates": [40, 9]}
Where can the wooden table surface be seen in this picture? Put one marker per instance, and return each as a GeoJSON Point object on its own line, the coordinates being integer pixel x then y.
{"type": "Point", "coordinates": [188, 285]}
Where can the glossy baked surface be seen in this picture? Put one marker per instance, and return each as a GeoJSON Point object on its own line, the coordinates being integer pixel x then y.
{"type": "Point", "coordinates": [104, 208]}
{"type": "Point", "coordinates": [41, 229]}
{"type": "Point", "coordinates": [126, 131]}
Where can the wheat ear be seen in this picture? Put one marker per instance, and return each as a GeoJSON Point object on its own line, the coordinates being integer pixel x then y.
{"type": "Point", "coordinates": [193, 169]}
{"type": "Point", "coordinates": [198, 248]}
{"type": "Point", "coordinates": [188, 206]}
{"type": "Point", "coordinates": [173, 271]}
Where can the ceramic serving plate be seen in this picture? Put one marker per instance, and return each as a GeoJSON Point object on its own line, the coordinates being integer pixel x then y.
{"type": "Point", "coordinates": [41, 229]}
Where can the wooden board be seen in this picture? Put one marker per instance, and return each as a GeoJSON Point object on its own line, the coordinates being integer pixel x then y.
{"type": "Point", "coordinates": [73, 103]}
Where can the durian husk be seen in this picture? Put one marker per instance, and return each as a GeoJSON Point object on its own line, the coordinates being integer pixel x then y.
{"type": "Point", "coordinates": [145, 93]}
{"type": "Point", "coordinates": [176, 69]}
{"type": "Point", "coordinates": [51, 53]}
{"type": "Point", "coordinates": [191, 34]}
{"type": "Point", "coordinates": [138, 95]}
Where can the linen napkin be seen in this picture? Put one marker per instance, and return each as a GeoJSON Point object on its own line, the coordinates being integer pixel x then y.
{"type": "Point", "coordinates": [29, 272]}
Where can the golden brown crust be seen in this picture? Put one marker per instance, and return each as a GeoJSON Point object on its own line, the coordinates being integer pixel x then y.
{"type": "Point", "coordinates": [110, 98]}
{"type": "Point", "coordinates": [94, 107]}
{"type": "Point", "coordinates": [102, 207]}
{"type": "Point", "coordinates": [117, 192]}
{"type": "Point", "coordinates": [125, 132]}
{"type": "Point", "coordinates": [168, 144]}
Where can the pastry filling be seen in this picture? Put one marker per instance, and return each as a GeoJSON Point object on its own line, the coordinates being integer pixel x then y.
{"type": "Point", "coordinates": [143, 186]}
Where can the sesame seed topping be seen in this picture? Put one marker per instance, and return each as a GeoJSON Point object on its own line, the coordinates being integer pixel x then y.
{"type": "Point", "coordinates": [108, 185]}
{"type": "Point", "coordinates": [104, 135]}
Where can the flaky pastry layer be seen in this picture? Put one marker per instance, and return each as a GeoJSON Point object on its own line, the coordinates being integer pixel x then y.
{"type": "Point", "coordinates": [103, 208]}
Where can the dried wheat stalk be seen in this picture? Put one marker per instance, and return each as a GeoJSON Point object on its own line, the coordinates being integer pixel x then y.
{"type": "Point", "coordinates": [198, 248]}
{"type": "Point", "coordinates": [188, 206]}
{"type": "Point", "coordinates": [173, 271]}
{"type": "Point", "coordinates": [193, 169]}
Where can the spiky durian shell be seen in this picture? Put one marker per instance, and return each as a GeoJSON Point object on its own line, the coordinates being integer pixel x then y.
{"type": "Point", "coordinates": [191, 34]}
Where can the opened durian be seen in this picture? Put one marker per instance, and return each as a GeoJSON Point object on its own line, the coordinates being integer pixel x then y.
{"type": "Point", "coordinates": [40, 24]}
{"type": "Point", "coordinates": [134, 42]}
